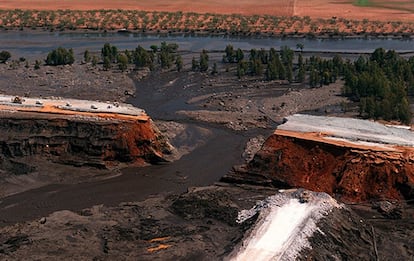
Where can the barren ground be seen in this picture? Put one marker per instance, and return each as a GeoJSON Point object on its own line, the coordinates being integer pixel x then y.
{"type": "Point", "coordinates": [400, 10]}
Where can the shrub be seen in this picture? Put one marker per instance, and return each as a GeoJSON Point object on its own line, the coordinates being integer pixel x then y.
{"type": "Point", "coordinates": [4, 56]}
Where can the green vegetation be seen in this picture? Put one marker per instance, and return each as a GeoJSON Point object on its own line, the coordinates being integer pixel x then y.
{"type": "Point", "coordinates": [142, 58]}
{"type": "Point", "coordinates": [86, 56]}
{"type": "Point", "coordinates": [60, 56]}
{"type": "Point", "coordinates": [110, 52]}
{"type": "Point", "coordinates": [381, 83]}
{"type": "Point", "coordinates": [164, 57]}
{"type": "Point", "coordinates": [179, 63]}
{"type": "Point", "coordinates": [203, 61]}
{"type": "Point", "coordinates": [362, 3]}
{"type": "Point", "coordinates": [232, 24]}
{"type": "Point", "coordinates": [4, 56]}
{"type": "Point", "coordinates": [167, 54]}
{"type": "Point", "coordinates": [122, 62]}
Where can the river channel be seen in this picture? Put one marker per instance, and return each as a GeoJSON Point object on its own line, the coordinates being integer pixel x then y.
{"type": "Point", "coordinates": [32, 44]}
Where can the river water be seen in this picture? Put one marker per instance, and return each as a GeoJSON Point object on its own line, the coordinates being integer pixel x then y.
{"type": "Point", "coordinates": [31, 44]}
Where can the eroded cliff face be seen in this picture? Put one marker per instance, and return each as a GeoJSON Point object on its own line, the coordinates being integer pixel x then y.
{"type": "Point", "coordinates": [80, 140]}
{"type": "Point", "coordinates": [350, 171]}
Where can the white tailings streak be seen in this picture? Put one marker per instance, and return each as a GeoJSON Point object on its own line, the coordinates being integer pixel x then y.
{"type": "Point", "coordinates": [283, 226]}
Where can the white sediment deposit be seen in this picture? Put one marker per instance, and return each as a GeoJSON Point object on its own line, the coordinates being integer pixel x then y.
{"type": "Point", "coordinates": [352, 131]}
{"type": "Point", "coordinates": [285, 222]}
{"type": "Point", "coordinates": [75, 105]}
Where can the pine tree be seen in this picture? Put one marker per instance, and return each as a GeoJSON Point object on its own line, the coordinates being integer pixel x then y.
{"type": "Point", "coordinates": [203, 61]}
{"type": "Point", "coordinates": [179, 63]}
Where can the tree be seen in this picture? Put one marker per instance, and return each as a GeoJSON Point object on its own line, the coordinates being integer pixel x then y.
{"type": "Point", "coordinates": [106, 63]}
{"type": "Point", "coordinates": [195, 65]}
{"type": "Point", "coordinates": [94, 61]}
{"type": "Point", "coordinates": [129, 56]}
{"type": "Point", "coordinates": [154, 48]}
{"type": "Point", "coordinates": [166, 55]}
{"type": "Point", "coordinates": [60, 56]}
{"type": "Point", "coordinates": [4, 56]}
{"type": "Point", "coordinates": [179, 63]}
{"type": "Point", "coordinates": [300, 46]}
{"type": "Point", "coordinates": [380, 85]}
{"type": "Point", "coordinates": [122, 62]}
{"type": "Point", "coordinates": [271, 72]}
{"type": "Point", "coordinates": [242, 68]}
{"type": "Point", "coordinates": [109, 51]}
{"type": "Point", "coordinates": [87, 56]}
{"type": "Point", "coordinates": [286, 55]}
{"type": "Point", "coordinates": [229, 54]}
{"type": "Point", "coordinates": [302, 71]}
{"type": "Point", "coordinates": [301, 74]}
{"type": "Point", "coordinates": [256, 67]}
{"type": "Point", "coordinates": [289, 73]}
{"type": "Point", "coordinates": [142, 58]}
{"type": "Point", "coordinates": [239, 55]}
{"type": "Point", "coordinates": [314, 78]}
{"type": "Point", "coordinates": [404, 112]}
{"type": "Point", "coordinates": [203, 61]}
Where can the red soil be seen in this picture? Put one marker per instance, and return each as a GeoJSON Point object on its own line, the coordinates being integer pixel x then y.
{"type": "Point", "coordinates": [348, 172]}
{"type": "Point", "coordinates": [312, 8]}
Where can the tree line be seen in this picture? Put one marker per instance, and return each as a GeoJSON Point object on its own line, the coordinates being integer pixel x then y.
{"type": "Point", "coordinates": [379, 82]}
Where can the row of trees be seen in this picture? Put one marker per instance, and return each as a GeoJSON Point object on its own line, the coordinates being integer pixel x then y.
{"type": "Point", "coordinates": [283, 65]}
{"type": "Point", "coordinates": [165, 56]}
{"type": "Point", "coordinates": [193, 22]}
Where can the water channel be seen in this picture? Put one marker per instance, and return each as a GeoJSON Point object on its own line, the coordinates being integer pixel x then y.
{"type": "Point", "coordinates": [35, 43]}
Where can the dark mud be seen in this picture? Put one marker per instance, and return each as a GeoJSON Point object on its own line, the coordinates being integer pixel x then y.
{"type": "Point", "coordinates": [205, 165]}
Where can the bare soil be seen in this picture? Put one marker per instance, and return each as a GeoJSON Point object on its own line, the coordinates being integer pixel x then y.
{"type": "Point", "coordinates": [391, 11]}
{"type": "Point", "coordinates": [269, 18]}
{"type": "Point", "coordinates": [77, 81]}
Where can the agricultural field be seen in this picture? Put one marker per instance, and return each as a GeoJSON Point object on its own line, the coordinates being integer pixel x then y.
{"type": "Point", "coordinates": [232, 24]}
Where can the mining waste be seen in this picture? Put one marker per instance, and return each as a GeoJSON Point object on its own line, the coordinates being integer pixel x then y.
{"type": "Point", "coordinates": [248, 215]}
{"type": "Point", "coordinates": [78, 133]}
{"type": "Point", "coordinates": [353, 160]}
